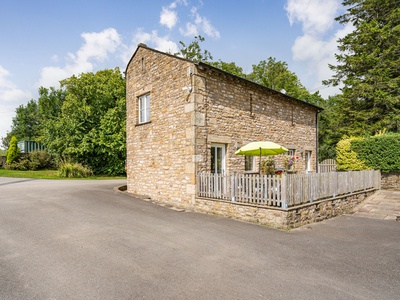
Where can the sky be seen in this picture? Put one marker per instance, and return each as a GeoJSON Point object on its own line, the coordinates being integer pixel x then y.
{"type": "Point", "coordinates": [45, 41]}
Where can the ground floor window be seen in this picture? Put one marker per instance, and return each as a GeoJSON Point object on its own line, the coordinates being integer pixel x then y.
{"type": "Point", "coordinates": [308, 161]}
{"type": "Point", "coordinates": [218, 152]}
{"type": "Point", "coordinates": [249, 163]}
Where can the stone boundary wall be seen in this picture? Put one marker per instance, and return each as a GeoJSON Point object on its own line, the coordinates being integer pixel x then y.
{"type": "Point", "coordinates": [280, 218]}
{"type": "Point", "coordinates": [390, 181]}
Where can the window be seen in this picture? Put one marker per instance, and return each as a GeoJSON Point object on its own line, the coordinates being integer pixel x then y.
{"type": "Point", "coordinates": [291, 152]}
{"type": "Point", "coordinates": [308, 161]}
{"type": "Point", "coordinates": [144, 109]}
{"type": "Point", "coordinates": [217, 158]}
{"type": "Point", "coordinates": [249, 163]}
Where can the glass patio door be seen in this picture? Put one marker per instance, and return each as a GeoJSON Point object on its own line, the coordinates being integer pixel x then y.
{"type": "Point", "coordinates": [218, 184]}
{"type": "Point", "coordinates": [218, 158]}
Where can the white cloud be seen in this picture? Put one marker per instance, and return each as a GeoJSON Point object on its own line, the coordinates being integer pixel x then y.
{"type": "Point", "coordinates": [9, 92]}
{"type": "Point", "coordinates": [318, 44]}
{"type": "Point", "coordinates": [96, 48]}
{"type": "Point", "coordinates": [315, 15]}
{"type": "Point", "coordinates": [10, 97]}
{"type": "Point", "coordinates": [162, 43]}
{"type": "Point", "coordinates": [168, 17]}
{"type": "Point", "coordinates": [199, 25]}
{"type": "Point", "coordinates": [189, 30]}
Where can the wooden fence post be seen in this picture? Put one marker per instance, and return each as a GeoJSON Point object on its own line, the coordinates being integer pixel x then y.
{"type": "Point", "coordinates": [283, 191]}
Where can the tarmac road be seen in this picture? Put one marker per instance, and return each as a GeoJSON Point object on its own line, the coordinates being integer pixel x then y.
{"type": "Point", "coordinates": [79, 239]}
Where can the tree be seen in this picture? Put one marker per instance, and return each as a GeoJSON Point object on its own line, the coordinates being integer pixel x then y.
{"type": "Point", "coordinates": [50, 103]}
{"type": "Point", "coordinates": [90, 127]}
{"type": "Point", "coordinates": [231, 68]}
{"type": "Point", "coordinates": [13, 151]}
{"type": "Point", "coordinates": [368, 66]}
{"type": "Point", "coordinates": [25, 124]}
{"type": "Point", "coordinates": [330, 129]}
{"type": "Point", "coordinates": [193, 51]}
{"type": "Point", "coordinates": [276, 75]}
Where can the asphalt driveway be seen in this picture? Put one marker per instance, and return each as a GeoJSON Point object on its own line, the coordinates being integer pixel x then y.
{"type": "Point", "coordinates": [82, 240]}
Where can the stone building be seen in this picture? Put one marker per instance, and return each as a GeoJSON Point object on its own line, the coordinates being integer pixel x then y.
{"type": "Point", "coordinates": [185, 117]}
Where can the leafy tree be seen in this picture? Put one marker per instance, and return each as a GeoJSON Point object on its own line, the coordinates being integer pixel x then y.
{"type": "Point", "coordinates": [13, 151]}
{"type": "Point", "coordinates": [25, 124]}
{"type": "Point", "coordinates": [90, 127]}
{"type": "Point", "coordinates": [276, 75]}
{"type": "Point", "coordinates": [329, 129]}
{"type": "Point", "coordinates": [193, 51]}
{"type": "Point", "coordinates": [5, 140]}
{"type": "Point", "coordinates": [231, 68]}
{"type": "Point", "coordinates": [368, 66]}
{"type": "Point", "coordinates": [50, 103]}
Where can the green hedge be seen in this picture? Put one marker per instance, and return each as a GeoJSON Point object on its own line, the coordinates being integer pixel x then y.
{"type": "Point", "coordinates": [380, 152]}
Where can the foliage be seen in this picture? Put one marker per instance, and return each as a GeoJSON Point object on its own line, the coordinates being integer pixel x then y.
{"type": "Point", "coordinates": [268, 166]}
{"type": "Point", "coordinates": [84, 120]}
{"type": "Point", "coordinates": [329, 128]}
{"type": "Point", "coordinates": [74, 170]}
{"type": "Point", "coordinates": [347, 159]}
{"type": "Point", "coordinates": [380, 152]}
{"type": "Point", "coordinates": [290, 162]}
{"type": "Point", "coordinates": [48, 174]}
{"type": "Point", "coordinates": [193, 51]}
{"type": "Point", "coordinates": [368, 67]}
{"type": "Point", "coordinates": [25, 124]}
{"type": "Point", "coordinates": [231, 68]}
{"type": "Point", "coordinates": [276, 75]}
{"type": "Point", "coordinates": [13, 151]}
{"type": "Point", "coordinates": [36, 160]}
{"type": "Point", "coordinates": [90, 126]}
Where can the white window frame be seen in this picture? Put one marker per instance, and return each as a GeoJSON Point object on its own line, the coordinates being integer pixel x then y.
{"type": "Point", "coordinates": [222, 147]}
{"type": "Point", "coordinates": [308, 161]}
{"type": "Point", "coordinates": [291, 152]}
{"type": "Point", "coordinates": [252, 163]}
{"type": "Point", "coordinates": [144, 109]}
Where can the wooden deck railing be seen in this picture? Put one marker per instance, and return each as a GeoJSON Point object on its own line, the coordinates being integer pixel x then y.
{"type": "Point", "coordinates": [284, 190]}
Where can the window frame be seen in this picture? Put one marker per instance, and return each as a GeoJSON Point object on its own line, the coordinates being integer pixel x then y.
{"type": "Point", "coordinates": [291, 152]}
{"type": "Point", "coordinates": [252, 164]}
{"type": "Point", "coordinates": [144, 109]}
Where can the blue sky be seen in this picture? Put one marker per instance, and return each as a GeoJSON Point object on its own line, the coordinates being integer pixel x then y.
{"type": "Point", "coordinates": [44, 41]}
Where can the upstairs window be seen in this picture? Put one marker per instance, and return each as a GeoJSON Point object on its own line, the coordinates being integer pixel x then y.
{"type": "Point", "coordinates": [144, 109]}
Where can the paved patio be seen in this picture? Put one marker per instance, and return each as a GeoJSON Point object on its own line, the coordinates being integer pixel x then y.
{"type": "Point", "coordinates": [384, 204]}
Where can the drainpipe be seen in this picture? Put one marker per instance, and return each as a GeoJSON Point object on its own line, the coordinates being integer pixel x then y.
{"type": "Point", "coordinates": [317, 143]}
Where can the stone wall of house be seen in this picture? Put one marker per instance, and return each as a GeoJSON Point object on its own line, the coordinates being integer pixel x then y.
{"type": "Point", "coordinates": [280, 218]}
{"type": "Point", "coordinates": [234, 112]}
{"type": "Point", "coordinates": [193, 106]}
{"type": "Point", "coordinates": [390, 181]}
{"type": "Point", "coordinates": [159, 153]}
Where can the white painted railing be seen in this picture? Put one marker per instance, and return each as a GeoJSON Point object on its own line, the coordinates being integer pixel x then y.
{"type": "Point", "coordinates": [284, 190]}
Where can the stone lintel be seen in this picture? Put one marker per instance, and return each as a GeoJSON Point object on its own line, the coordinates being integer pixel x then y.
{"type": "Point", "coordinates": [224, 139]}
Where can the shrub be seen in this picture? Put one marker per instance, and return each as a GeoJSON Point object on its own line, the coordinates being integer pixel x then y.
{"type": "Point", "coordinates": [41, 159]}
{"type": "Point", "coordinates": [380, 152]}
{"type": "Point", "coordinates": [347, 159]}
{"type": "Point", "coordinates": [74, 170]}
{"type": "Point", "coordinates": [36, 160]}
{"type": "Point", "coordinates": [13, 151]}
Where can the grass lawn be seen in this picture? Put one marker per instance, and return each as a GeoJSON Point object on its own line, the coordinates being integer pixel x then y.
{"type": "Point", "coordinates": [47, 174]}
